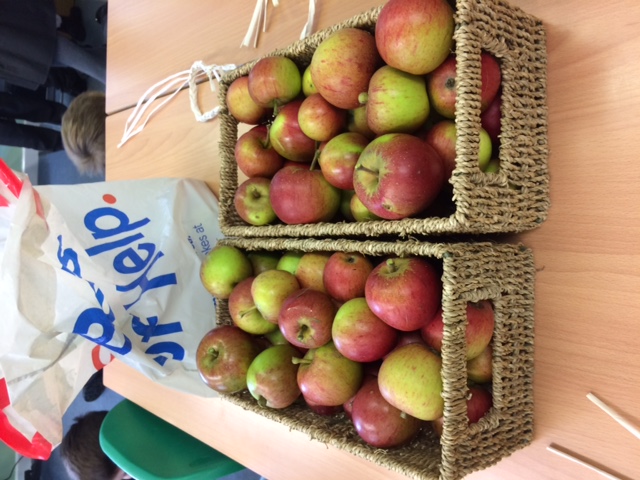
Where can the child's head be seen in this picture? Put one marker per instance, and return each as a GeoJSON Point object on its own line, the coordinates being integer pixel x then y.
{"type": "Point", "coordinates": [81, 452]}
{"type": "Point", "coordinates": [83, 132]}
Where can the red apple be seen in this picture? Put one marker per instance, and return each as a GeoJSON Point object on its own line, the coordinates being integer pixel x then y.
{"type": "Point", "coordinates": [396, 101]}
{"type": "Point", "coordinates": [342, 65]}
{"type": "Point", "coordinates": [223, 268]}
{"type": "Point", "coordinates": [244, 313]}
{"type": "Point", "coordinates": [442, 138]}
{"type": "Point", "coordinates": [404, 292]}
{"type": "Point", "coordinates": [379, 423]}
{"type": "Point", "coordinates": [287, 138]}
{"type": "Point", "coordinates": [223, 357]}
{"type": "Point", "coordinates": [480, 368]}
{"type": "Point", "coordinates": [441, 84]}
{"type": "Point", "coordinates": [253, 203]}
{"type": "Point", "coordinates": [272, 377]}
{"type": "Point", "coordinates": [415, 36]}
{"type": "Point", "coordinates": [326, 377]}
{"type": "Point", "coordinates": [306, 318]}
{"type": "Point", "coordinates": [274, 81]}
{"type": "Point", "coordinates": [405, 338]}
{"type": "Point", "coordinates": [269, 291]}
{"type": "Point", "coordinates": [397, 176]}
{"type": "Point", "coordinates": [254, 154]}
{"type": "Point", "coordinates": [359, 334]}
{"type": "Point", "coordinates": [339, 157]}
{"type": "Point", "coordinates": [320, 120]}
{"type": "Point", "coordinates": [300, 195]}
{"type": "Point", "coordinates": [480, 323]}
{"type": "Point", "coordinates": [345, 275]}
{"type": "Point", "coordinates": [491, 118]}
{"type": "Point", "coordinates": [323, 409]}
{"type": "Point", "coordinates": [240, 104]}
{"type": "Point", "coordinates": [479, 402]}
{"type": "Point", "coordinates": [310, 271]}
{"type": "Point", "coordinates": [410, 380]}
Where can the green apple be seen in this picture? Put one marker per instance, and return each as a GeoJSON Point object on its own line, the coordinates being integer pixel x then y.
{"type": "Point", "coordinates": [397, 101]}
{"type": "Point", "coordinates": [223, 268]}
{"type": "Point", "coordinates": [252, 201]}
{"type": "Point", "coordinates": [410, 380]}
{"type": "Point", "coordinates": [308, 88]}
{"type": "Point", "coordinates": [263, 261]}
{"type": "Point", "coordinates": [269, 291]}
{"type": "Point", "coordinates": [244, 313]}
{"type": "Point", "coordinates": [360, 212]}
{"type": "Point", "coordinates": [289, 261]}
{"type": "Point", "coordinates": [272, 377]}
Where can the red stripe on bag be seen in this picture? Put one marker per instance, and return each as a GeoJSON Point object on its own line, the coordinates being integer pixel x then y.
{"type": "Point", "coordinates": [10, 179]}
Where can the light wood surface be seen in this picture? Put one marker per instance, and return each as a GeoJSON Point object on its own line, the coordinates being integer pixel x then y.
{"type": "Point", "coordinates": [587, 254]}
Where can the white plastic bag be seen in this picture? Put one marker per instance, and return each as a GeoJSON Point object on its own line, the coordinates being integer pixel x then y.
{"type": "Point", "coordinates": [116, 263]}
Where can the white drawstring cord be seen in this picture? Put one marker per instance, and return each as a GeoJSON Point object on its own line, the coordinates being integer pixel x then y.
{"type": "Point", "coordinates": [186, 77]}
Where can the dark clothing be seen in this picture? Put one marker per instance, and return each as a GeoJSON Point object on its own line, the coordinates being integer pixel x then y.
{"type": "Point", "coordinates": [32, 109]}
{"type": "Point", "coordinates": [27, 41]}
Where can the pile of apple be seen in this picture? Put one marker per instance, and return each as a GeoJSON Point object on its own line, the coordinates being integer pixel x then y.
{"type": "Point", "coordinates": [366, 130]}
{"type": "Point", "coordinates": [341, 332]}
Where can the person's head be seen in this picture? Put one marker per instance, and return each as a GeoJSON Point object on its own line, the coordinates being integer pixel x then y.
{"type": "Point", "coordinates": [81, 452]}
{"type": "Point", "coordinates": [83, 132]}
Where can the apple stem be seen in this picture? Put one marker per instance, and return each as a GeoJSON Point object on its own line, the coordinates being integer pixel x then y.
{"type": "Point", "coordinates": [316, 155]}
{"type": "Point", "coordinates": [362, 168]}
{"type": "Point", "coordinates": [392, 265]}
{"type": "Point", "coordinates": [262, 401]}
{"type": "Point", "coordinates": [303, 332]}
{"type": "Point", "coordinates": [300, 361]}
{"type": "Point", "coordinates": [210, 357]}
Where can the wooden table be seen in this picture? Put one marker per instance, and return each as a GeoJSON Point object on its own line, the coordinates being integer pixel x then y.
{"type": "Point", "coordinates": [588, 251]}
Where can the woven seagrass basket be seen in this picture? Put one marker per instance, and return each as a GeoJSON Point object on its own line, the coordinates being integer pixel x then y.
{"type": "Point", "coordinates": [513, 200]}
{"type": "Point", "coordinates": [503, 273]}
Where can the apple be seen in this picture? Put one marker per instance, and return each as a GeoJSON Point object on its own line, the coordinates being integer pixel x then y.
{"type": "Point", "coordinates": [479, 402]}
{"type": "Point", "coordinates": [415, 36]}
{"type": "Point", "coordinates": [345, 275]}
{"type": "Point", "coordinates": [397, 176]}
{"type": "Point", "coordinates": [405, 338]}
{"type": "Point", "coordinates": [253, 203]}
{"type": "Point", "coordinates": [410, 380]}
{"type": "Point", "coordinates": [326, 377]}
{"type": "Point", "coordinates": [379, 423]}
{"type": "Point", "coordinates": [345, 205]}
{"type": "Point", "coordinates": [272, 377]}
{"type": "Point", "coordinates": [480, 368]}
{"type": "Point", "coordinates": [240, 104]}
{"type": "Point", "coordinates": [269, 291]}
{"type": "Point", "coordinates": [287, 138]}
{"type": "Point", "coordinates": [223, 268]}
{"type": "Point", "coordinates": [320, 120]}
{"type": "Point", "coordinates": [243, 311]}
{"type": "Point", "coordinates": [274, 81]}
{"type": "Point", "coordinates": [442, 138]}
{"type": "Point", "coordinates": [339, 157]}
{"type": "Point", "coordinates": [310, 271]}
{"type": "Point", "coordinates": [441, 84]}
{"type": "Point", "coordinates": [276, 338]}
{"type": "Point", "coordinates": [306, 317]}
{"type": "Point", "coordinates": [404, 292]}
{"type": "Point", "coordinates": [342, 65]}
{"type": "Point", "coordinates": [357, 122]}
{"type": "Point", "coordinates": [491, 118]}
{"type": "Point", "coordinates": [479, 330]}
{"type": "Point", "coordinates": [254, 154]}
{"type": "Point", "coordinates": [493, 166]}
{"type": "Point", "coordinates": [359, 334]}
{"type": "Point", "coordinates": [308, 88]}
{"type": "Point", "coordinates": [396, 101]}
{"type": "Point", "coordinates": [360, 212]}
{"type": "Point", "coordinates": [223, 357]}
{"type": "Point", "coordinates": [263, 261]}
{"type": "Point", "coordinates": [300, 195]}
{"type": "Point", "coordinates": [289, 261]}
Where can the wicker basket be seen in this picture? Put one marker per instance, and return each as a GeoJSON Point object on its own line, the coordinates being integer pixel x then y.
{"type": "Point", "coordinates": [470, 272]}
{"type": "Point", "coordinates": [513, 200]}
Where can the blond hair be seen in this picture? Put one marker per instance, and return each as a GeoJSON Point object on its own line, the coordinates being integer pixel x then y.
{"type": "Point", "coordinates": [83, 132]}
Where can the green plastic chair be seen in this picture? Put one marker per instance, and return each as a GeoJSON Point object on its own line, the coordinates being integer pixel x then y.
{"type": "Point", "coordinates": [148, 448]}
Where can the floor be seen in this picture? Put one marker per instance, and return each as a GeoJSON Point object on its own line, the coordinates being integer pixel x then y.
{"type": "Point", "coordinates": [55, 168]}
